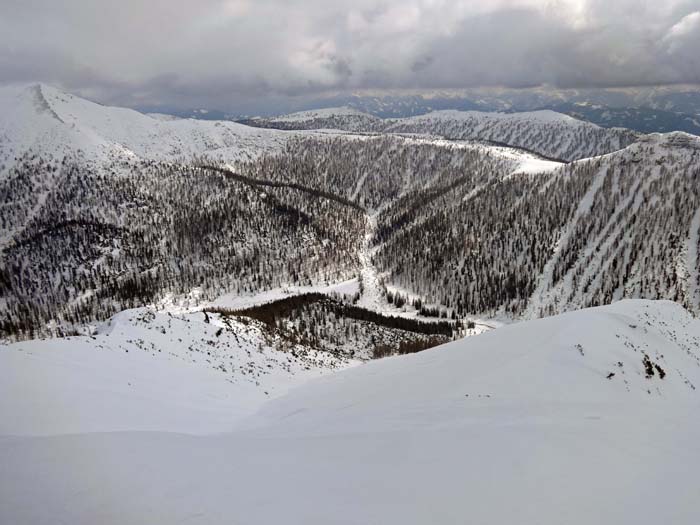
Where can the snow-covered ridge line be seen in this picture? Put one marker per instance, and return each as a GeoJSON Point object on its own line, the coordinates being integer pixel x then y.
{"type": "Point", "coordinates": [301, 116]}
{"type": "Point", "coordinates": [545, 132]}
{"type": "Point", "coordinates": [45, 120]}
{"type": "Point", "coordinates": [544, 115]}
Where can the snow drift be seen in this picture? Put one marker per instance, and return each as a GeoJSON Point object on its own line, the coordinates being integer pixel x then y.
{"type": "Point", "coordinates": [588, 417]}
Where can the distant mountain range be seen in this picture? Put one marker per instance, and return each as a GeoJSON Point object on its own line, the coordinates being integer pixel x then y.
{"type": "Point", "coordinates": [647, 110]}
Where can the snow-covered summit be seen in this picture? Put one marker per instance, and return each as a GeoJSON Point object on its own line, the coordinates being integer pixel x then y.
{"type": "Point", "coordinates": [676, 139]}
{"type": "Point", "coordinates": [44, 120]}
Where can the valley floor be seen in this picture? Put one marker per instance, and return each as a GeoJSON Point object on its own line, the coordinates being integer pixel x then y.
{"type": "Point", "coordinates": [587, 417]}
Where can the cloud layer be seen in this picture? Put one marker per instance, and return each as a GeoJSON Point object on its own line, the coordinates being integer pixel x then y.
{"type": "Point", "coordinates": [221, 53]}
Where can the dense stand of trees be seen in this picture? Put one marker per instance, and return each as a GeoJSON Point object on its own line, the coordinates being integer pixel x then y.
{"type": "Point", "coordinates": [96, 241]}
{"type": "Point", "coordinates": [371, 171]}
{"type": "Point", "coordinates": [552, 137]}
{"type": "Point", "coordinates": [336, 326]}
{"type": "Point", "coordinates": [594, 232]}
{"type": "Point", "coordinates": [454, 227]}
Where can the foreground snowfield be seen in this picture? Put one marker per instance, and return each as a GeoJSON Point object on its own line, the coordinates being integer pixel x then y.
{"type": "Point", "coordinates": [147, 371]}
{"type": "Point", "coordinates": [519, 425]}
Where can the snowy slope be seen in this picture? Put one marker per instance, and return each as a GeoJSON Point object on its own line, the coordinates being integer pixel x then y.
{"type": "Point", "coordinates": [303, 116]}
{"type": "Point", "coordinates": [520, 425]}
{"type": "Point", "coordinates": [641, 213]}
{"type": "Point", "coordinates": [621, 225]}
{"type": "Point", "coordinates": [545, 132]}
{"type": "Point", "coordinates": [341, 118]}
{"type": "Point", "coordinates": [148, 371]}
{"type": "Point", "coordinates": [45, 120]}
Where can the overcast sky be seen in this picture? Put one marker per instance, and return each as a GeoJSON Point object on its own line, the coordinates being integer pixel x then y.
{"type": "Point", "coordinates": [221, 53]}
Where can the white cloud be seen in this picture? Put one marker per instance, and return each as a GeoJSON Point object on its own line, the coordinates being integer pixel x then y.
{"type": "Point", "coordinates": [219, 50]}
{"type": "Point", "coordinates": [687, 27]}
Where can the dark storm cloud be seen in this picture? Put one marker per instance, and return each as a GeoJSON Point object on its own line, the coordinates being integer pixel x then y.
{"type": "Point", "coordinates": [220, 53]}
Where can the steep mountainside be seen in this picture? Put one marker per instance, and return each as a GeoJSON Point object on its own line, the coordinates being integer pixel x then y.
{"type": "Point", "coordinates": [41, 120]}
{"type": "Point", "coordinates": [622, 225]}
{"type": "Point", "coordinates": [545, 133]}
{"type": "Point", "coordinates": [373, 171]}
{"type": "Point", "coordinates": [598, 403]}
{"type": "Point", "coordinates": [103, 209]}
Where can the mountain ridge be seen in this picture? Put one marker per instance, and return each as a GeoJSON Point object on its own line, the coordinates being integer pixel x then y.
{"type": "Point", "coordinates": [143, 224]}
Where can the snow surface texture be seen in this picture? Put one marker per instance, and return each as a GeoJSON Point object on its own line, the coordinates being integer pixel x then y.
{"type": "Point", "coordinates": [148, 371]}
{"type": "Point", "coordinates": [567, 419]}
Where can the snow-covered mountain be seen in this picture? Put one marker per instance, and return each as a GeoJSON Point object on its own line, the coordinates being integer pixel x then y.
{"type": "Point", "coordinates": [643, 120]}
{"type": "Point", "coordinates": [84, 236]}
{"type": "Point", "coordinates": [647, 109]}
{"type": "Point", "coordinates": [548, 133]}
{"type": "Point", "coordinates": [587, 233]}
{"type": "Point", "coordinates": [45, 121]}
{"type": "Point", "coordinates": [219, 295]}
{"type": "Point", "coordinates": [343, 118]}
{"type": "Point", "coordinates": [105, 209]}
{"type": "Point", "coordinates": [575, 418]}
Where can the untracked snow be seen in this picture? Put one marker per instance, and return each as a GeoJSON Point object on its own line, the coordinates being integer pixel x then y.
{"type": "Point", "coordinates": [45, 120]}
{"type": "Point", "coordinates": [142, 370]}
{"type": "Point", "coordinates": [588, 417]}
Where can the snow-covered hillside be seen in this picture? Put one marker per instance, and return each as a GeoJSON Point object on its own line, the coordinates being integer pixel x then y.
{"type": "Point", "coordinates": [105, 209]}
{"type": "Point", "coordinates": [588, 417]}
{"type": "Point", "coordinates": [622, 225]}
{"type": "Point", "coordinates": [342, 118]}
{"type": "Point", "coordinates": [313, 114]}
{"type": "Point", "coordinates": [547, 133]}
{"type": "Point", "coordinates": [50, 122]}
{"type": "Point", "coordinates": [193, 373]}
{"type": "Point", "coordinates": [633, 234]}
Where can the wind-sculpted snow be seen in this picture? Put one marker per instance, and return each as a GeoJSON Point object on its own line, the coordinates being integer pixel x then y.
{"type": "Point", "coordinates": [580, 418]}
{"type": "Point", "coordinates": [193, 373]}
